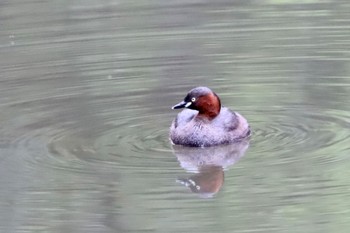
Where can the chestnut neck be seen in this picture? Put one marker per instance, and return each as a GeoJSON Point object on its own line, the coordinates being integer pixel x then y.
{"type": "Point", "coordinates": [208, 106]}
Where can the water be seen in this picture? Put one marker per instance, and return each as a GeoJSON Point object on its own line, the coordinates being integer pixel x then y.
{"type": "Point", "coordinates": [86, 89]}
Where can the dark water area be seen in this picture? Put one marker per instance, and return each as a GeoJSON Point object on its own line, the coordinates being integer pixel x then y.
{"type": "Point", "coordinates": [86, 89]}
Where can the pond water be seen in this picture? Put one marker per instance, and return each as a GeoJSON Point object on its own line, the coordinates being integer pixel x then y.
{"type": "Point", "coordinates": [86, 89]}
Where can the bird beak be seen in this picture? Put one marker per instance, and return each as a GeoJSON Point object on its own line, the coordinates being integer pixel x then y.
{"type": "Point", "coordinates": [182, 104]}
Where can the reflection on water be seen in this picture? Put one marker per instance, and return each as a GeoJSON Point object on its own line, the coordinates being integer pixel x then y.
{"type": "Point", "coordinates": [208, 164]}
{"type": "Point", "coordinates": [85, 94]}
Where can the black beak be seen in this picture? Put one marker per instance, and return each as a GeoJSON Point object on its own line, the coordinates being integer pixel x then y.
{"type": "Point", "coordinates": [182, 104]}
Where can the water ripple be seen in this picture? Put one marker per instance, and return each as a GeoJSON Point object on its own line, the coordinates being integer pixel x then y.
{"type": "Point", "coordinates": [80, 138]}
{"type": "Point", "coordinates": [302, 132]}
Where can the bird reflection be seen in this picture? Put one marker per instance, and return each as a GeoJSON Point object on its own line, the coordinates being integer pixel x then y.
{"type": "Point", "coordinates": [207, 165]}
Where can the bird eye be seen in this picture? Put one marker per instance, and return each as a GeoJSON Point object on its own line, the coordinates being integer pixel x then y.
{"type": "Point", "coordinates": [193, 99]}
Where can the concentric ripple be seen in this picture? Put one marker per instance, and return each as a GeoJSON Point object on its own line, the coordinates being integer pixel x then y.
{"type": "Point", "coordinates": [302, 132]}
{"type": "Point", "coordinates": [62, 133]}
{"type": "Point", "coordinates": [110, 139]}
{"type": "Point", "coordinates": [116, 144]}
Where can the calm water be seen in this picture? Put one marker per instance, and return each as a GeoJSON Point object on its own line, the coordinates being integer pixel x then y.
{"type": "Point", "coordinates": [85, 94]}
